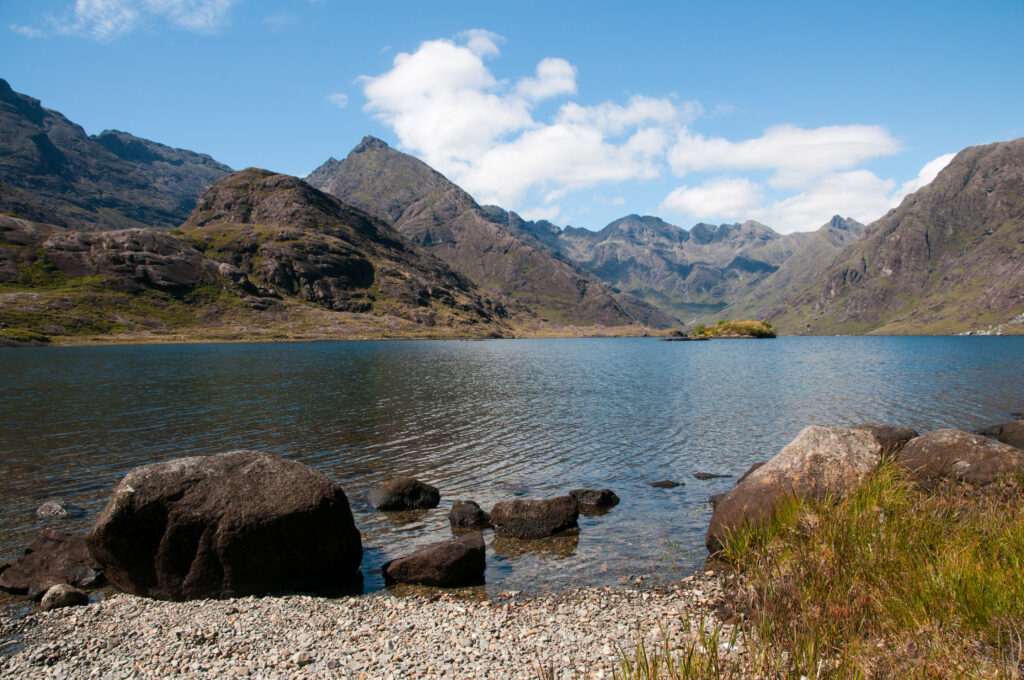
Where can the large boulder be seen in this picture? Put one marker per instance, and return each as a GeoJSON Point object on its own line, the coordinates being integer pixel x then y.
{"type": "Point", "coordinates": [238, 523]}
{"type": "Point", "coordinates": [468, 515]}
{"type": "Point", "coordinates": [459, 562]}
{"type": "Point", "coordinates": [404, 493]}
{"type": "Point", "coordinates": [53, 558]}
{"type": "Point", "coordinates": [819, 462]}
{"type": "Point", "coordinates": [535, 518]}
{"type": "Point", "coordinates": [960, 456]}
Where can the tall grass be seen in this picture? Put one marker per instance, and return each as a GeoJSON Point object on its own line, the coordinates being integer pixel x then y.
{"type": "Point", "coordinates": [889, 582]}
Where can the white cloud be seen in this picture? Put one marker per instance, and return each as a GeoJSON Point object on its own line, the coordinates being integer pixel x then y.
{"type": "Point", "coordinates": [339, 99]}
{"type": "Point", "coordinates": [446, 106]}
{"type": "Point", "coordinates": [796, 155]}
{"type": "Point", "coordinates": [859, 194]}
{"type": "Point", "coordinates": [106, 20]}
{"type": "Point", "coordinates": [548, 212]}
{"type": "Point", "coordinates": [723, 198]}
{"type": "Point", "coordinates": [280, 21]}
{"type": "Point", "coordinates": [927, 174]}
{"type": "Point", "coordinates": [554, 77]}
{"type": "Point", "coordinates": [27, 31]}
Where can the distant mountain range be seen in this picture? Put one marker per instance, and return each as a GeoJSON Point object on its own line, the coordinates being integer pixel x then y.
{"type": "Point", "coordinates": [382, 242]}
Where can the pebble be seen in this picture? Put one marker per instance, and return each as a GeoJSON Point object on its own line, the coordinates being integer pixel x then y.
{"type": "Point", "coordinates": [578, 634]}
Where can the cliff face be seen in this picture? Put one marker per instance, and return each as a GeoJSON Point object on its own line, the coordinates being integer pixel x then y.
{"type": "Point", "coordinates": [51, 171]}
{"type": "Point", "coordinates": [485, 244]}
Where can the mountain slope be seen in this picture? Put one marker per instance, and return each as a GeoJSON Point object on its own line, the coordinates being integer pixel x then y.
{"type": "Point", "coordinates": [51, 171]}
{"type": "Point", "coordinates": [484, 244]}
{"type": "Point", "coordinates": [950, 258]}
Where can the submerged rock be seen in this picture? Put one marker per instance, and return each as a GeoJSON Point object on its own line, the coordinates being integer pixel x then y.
{"type": "Point", "coordinates": [468, 515]}
{"type": "Point", "coordinates": [595, 498]}
{"type": "Point", "coordinates": [404, 493]}
{"type": "Point", "coordinates": [704, 476]}
{"type": "Point", "coordinates": [820, 461]}
{"type": "Point", "coordinates": [447, 564]}
{"type": "Point", "coordinates": [535, 518]}
{"type": "Point", "coordinates": [665, 484]}
{"type": "Point", "coordinates": [960, 456]}
{"type": "Point", "coordinates": [233, 524]}
{"type": "Point", "coordinates": [55, 509]}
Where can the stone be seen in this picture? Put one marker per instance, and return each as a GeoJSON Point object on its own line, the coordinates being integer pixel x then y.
{"type": "Point", "coordinates": [715, 499]}
{"type": "Point", "coordinates": [665, 484]}
{"type": "Point", "coordinates": [468, 515]}
{"type": "Point", "coordinates": [704, 476]}
{"type": "Point", "coordinates": [53, 558]}
{"type": "Point", "coordinates": [595, 498]}
{"type": "Point", "coordinates": [820, 461]}
{"type": "Point", "coordinates": [301, 659]}
{"type": "Point", "coordinates": [891, 437]}
{"type": "Point", "coordinates": [750, 470]}
{"type": "Point", "coordinates": [535, 518]}
{"type": "Point", "coordinates": [228, 525]}
{"type": "Point", "coordinates": [63, 595]}
{"type": "Point", "coordinates": [447, 564]}
{"type": "Point", "coordinates": [52, 509]}
{"type": "Point", "coordinates": [1012, 433]}
{"type": "Point", "coordinates": [960, 456]}
{"type": "Point", "coordinates": [404, 493]}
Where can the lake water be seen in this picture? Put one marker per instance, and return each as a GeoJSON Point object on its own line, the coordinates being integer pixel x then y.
{"type": "Point", "coordinates": [486, 421]}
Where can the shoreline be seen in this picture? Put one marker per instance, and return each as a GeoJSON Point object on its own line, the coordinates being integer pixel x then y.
{"type": "Point", "coordinates": [446, 634]}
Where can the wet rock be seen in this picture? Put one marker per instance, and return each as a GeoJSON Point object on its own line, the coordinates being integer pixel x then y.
{"type": "Point", "coordinates": [468, 515]}
{"type": "Point", "coordinates": [63, 595]}
{"type": "Point", "coordinates": [703, 476]}
{"type": "Point", "coordinates": [750, 470]}
{"type": "Point", "coordinates": [535, 518]}
{"type": "Point", "coordinates": [1013, 433]}
{"type": "Point", "coordinates": [958, 455]}
{"type": "Point", "coordinates": [447, 564]}
{"type": "Point", "coordinates": [820, 461]}
{"type": "Point", "coordinates": [404, 493]}
{"type": "Point", "coordinates": [665, 484]}
{"type": "Point", "coordinates": [891, 437]}
{"type": "Point", "coordinates": [595, 498]}
{"type": "Point", "coordinates": [715, 499]}
{"type": "Point", "coordinates": [238, 523]}
{"type": "Point", "coordinates": [55, 509]}
{"type": "Point", "coordinates": [51, 559]}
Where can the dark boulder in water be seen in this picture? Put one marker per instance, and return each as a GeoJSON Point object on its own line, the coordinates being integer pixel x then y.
{"type": "Point", "coordinates": [404, 493]}
{"type": "Point", "coordinates": [535, 518]}
{"type": "Point", "coordinates": [447, 564]}
{"type": "Point", "coordinates": [468, 515]}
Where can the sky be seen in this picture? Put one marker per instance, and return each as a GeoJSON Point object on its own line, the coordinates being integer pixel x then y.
{"type": "Point", "coordinates": [575, 112]}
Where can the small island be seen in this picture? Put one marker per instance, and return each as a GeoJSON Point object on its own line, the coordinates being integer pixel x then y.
{"type": "Point", "coordinates": [727, 329]}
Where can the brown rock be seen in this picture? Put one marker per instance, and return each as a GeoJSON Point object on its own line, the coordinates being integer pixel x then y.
{"type": "Point", "coordinates": [63, 595]}
{"type": "Point", "coordinates": [820, 461]}
{"type": "Point", "coordinates": [467, 514]}
{"type": "Point", "coordinates": [55, 557]}
{"type": "Point", "coordinates": [1012, 433]}
{"type": "Point", "coordinates": [595, 498]}
{"type": "Point", "coordinates": [958, 455]}
{"type": "Point", "coordinates": [447, 564]}
{"type": "Point", "coordinates": [238, 523]}
{"type": "Point", "coordinates": [404, 493]}
{"type": "Point", "coordinates": [535, 518]}
{"type": "Point", "coordinates": [891, 438]}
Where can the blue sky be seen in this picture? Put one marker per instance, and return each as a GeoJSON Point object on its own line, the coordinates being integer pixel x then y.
{"type": "Point", "coordinates": [579, 112]}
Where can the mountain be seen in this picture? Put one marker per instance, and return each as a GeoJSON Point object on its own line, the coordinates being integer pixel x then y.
{"type": "Point", "coordinates": [688, 273]}
{"type": "Point", "coordinates": [488, 245]}
{"type": "Point", "coordinates": [261, 255]}
{"type": "Point", "coordinates": [950, 258]}
{"type": "Point", "coordinates": [52, 171]}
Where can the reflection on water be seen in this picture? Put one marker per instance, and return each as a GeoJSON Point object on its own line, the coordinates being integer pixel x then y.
{"type": "Point", "coordinates": [488, 421]}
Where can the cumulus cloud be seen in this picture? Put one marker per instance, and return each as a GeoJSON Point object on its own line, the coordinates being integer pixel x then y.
{"type": "Point", "coordinates": [722, 198]}
{"type": "Point", "coordinates": [106, 20]}
{"type": "Point", "coordinates": [339, 99]}
{"type": "Point", "coordinates": [446, 106]}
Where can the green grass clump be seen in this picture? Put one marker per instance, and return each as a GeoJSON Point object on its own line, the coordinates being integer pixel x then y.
{"type": "Point", "coordinates": [892, 581]}
{"type": "Point", "coordinates": [727, 327]}
{"type": "Point", "coordinates": [22, 335]}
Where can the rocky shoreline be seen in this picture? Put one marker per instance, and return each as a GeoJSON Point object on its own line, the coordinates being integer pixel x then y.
{"type": "Point", "coordinates": [457, 634]}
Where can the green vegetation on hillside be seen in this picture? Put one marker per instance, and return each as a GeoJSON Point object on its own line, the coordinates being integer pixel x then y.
{"type": "Point", "coordinates": [727, 328]}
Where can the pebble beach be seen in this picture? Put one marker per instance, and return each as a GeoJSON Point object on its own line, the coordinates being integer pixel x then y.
{"type": "Point", "coordinates": [436, 634]}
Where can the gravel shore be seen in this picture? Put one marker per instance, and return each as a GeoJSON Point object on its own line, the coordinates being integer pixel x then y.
{"type": "Point", "coordinates": [576, 634]}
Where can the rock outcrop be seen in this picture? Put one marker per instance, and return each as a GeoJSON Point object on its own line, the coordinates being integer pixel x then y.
{"type": "Point", "coordinates": [959, 456]}
{"type": "Point", "coordinates": [404, 493]}
{"type": "Point", "coordinates": [447, 564]}
{"type": "Point", "coordinates": [232, 524]}
{"type": "Point", "coordinates": [535, 518]}
{"type": "Point", "coordinates": [821, 461]}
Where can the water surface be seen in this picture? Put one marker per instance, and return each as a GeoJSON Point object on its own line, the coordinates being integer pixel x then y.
{"type": "Point", "coordinates": [486, 421]}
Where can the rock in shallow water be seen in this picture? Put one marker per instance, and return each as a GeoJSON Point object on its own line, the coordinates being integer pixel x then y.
{"type": "Point", "coordinates": [447, 564]}
{"type": "Point", "coordinates": [404, 493]}
{"type": "Point", "coordinates": [595, 498]}
{"type": "Point", "coordinates": [468, 515]}
{"type": "Point", "coordinates": [238, 523]}
{"type": "Point", "coordinates": [535, 518]}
